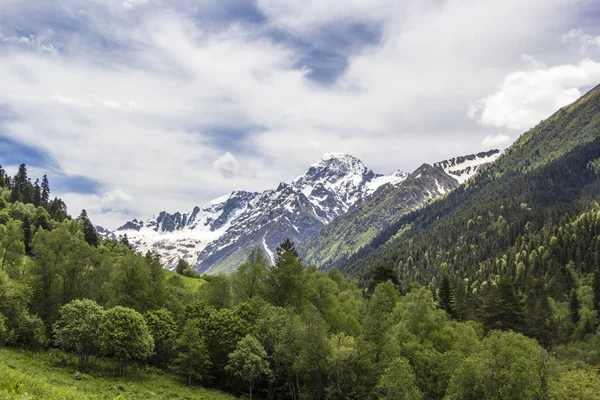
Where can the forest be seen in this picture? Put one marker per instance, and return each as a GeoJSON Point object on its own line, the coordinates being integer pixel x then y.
{"type": "Point", "coordinates": [522, 325]}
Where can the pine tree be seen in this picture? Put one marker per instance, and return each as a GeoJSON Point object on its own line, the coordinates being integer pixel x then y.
{"type": "Point", "coordinates": [124, 240]}
{"type": "Point", "coordinates": [446, 297]}
{"type": "Point", "coordinates": [503, 309]}
{"type": "Point", "coordinates": [596, 287]}
{"type": "Point", "coordinates": [574, 307]}
{"type": "Point", "coordinates": [37, 193]}
{"type": "Point", "coordinates": [382, 273]}
{"type": "Point", "coordinates": [27, 234]}
{"type": "Point", "coordinates": [15, 194]}
{"type": "Point", "coordinates": [21, 178]}
{"type": "Point", "coordinates": [3, 181]}
{"type": "Point", "coordinates": [286, 248]}
{"type": "Point", "coordinates": [28, 192]}
{"type": "Point", "coordinates": [89, 232]}
{"type": "Point", "coordinates": [45, 195]}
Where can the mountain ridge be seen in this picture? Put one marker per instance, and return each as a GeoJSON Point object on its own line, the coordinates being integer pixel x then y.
{"type": "Point", "coordinates": [216, 237]}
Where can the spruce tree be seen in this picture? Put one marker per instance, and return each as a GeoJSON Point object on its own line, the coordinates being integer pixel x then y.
{"type": "Point", "coordinates": [28, 192]}
{"type": "Point", "coordinates": [15, 194]}
{"type": "Point", "coordinates": [286, 249]}
{"type": "Point", "coordinates": [45, 195]}
{"type": "Point", "coordinates": [574, 307]}
{"type": "Point", "coordinates": [446, 297]}
{"type": "Point", "coordinates": [89, 232]}
{"type": "Point", "coordinates": [37, 193]}
{"type": "Point", "coordinates": [596, 287]}
{"type": "Point", "coordinates": [27, 234]}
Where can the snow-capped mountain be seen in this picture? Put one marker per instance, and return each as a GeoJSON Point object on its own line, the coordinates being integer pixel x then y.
{"type": "Point", "coordinates": [462, 168]}
{"type": "Point", "coordinates": [217, 237]}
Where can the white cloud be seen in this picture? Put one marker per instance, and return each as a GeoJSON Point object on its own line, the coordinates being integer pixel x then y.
{"type": "Point", "coordinates": [144, 116]}
{"type": "Point", "coordinates": [227, 165]}
{"type": "Point", "coordinates": [581, 40]}
{"type": "Point", "coordinates": [496, 142]}
{"type": "Point", "coordinates": [131, 4]}
{"type": "Point", "coordinates": [527, 97]}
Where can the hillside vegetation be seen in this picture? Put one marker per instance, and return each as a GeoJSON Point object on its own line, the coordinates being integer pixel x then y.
{"type": "Point", "coordinates": [493, 292]}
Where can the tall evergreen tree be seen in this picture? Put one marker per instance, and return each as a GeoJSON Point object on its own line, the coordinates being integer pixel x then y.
{"type": "Point", "coordinates": [21, 178]}
{"type": "Point", "coordinates": [503, 309]}
{"type": "Point", "coordinates": [27, 234]}
{"type": "Point", "coordinates": [446, 297]}
{"type": "Point", "coordinates": [15, 194]}
{"type": "Point", "coordinates": [286, 249]}
{"type": "Point", "coordinates": [574, 307]}
{"type": "Point", "coordinates": [596, 287]}
{"type": "Point", "coordinates": [45, 195]}
{"type": "Point", "coordinates": [28, 192]}
{"type": "Point", "coordinates": [89, 232]}
{"type": "Point", "coordinates": [37, 193]}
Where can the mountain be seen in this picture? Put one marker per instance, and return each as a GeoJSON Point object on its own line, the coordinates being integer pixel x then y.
{"type": "Point", "coordinates": [217, 237]}
{"type": "Point", "coordinates": [362, 222]}
{"type": "Point", "coordinates": [509, 220]}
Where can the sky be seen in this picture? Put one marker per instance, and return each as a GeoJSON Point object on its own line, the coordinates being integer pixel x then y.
{"type": "Point", "coordinates": [136, 106]}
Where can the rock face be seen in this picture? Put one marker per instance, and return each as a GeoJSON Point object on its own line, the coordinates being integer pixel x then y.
{"type": "Point", "coordinates": [339, 188]}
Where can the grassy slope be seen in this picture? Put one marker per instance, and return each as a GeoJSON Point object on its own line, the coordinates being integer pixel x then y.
{"type": "Point", "coordinates": [191, 283]}
{"type": "Point", "coordinates": [51, 375]}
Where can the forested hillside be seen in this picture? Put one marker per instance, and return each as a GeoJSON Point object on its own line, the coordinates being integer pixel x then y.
{"type": "Point", "coordinates": [493, 292]}
{"type": "Point", "coordinates": [281, 332]}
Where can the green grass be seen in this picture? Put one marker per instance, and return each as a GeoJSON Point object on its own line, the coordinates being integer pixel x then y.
{"type": "Point", "coordinates": [52, 375]}
{"type": "Point", "coordinates": [191, 283]}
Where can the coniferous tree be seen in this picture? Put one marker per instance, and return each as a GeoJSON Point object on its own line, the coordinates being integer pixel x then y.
{"type": "Point", "coordinates": [3, 181]}
{"type": "Point", "coordinates": [503, 308]}
{"type": "Point", "coordinates": [596, 287]}
{"type": "Point", "coordinates": [574, 307]}
{"type": "Point", "coordinates": [37, 193]}
{"type": "Point", "coordinates": [446, 297]}
{"type": "Point", "coordinates": [89, 232]}
{"type": "Point", "coordinates": [27, 192]}
{"type": "Point", "coordinates": [27, 234]}
{"type": "Point", "coordinates": [286, 248]}
{"type": "Point", "coordinates": [45, 195]}
{"type": "Point", "coordinates": [381, 274]}
{"type": "Point", "coordinates": [15, 194]}
{"type": "Point", "coordinates": [21, 178]}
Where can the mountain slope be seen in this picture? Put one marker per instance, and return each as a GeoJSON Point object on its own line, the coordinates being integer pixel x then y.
{"type": "Point", "coordinates": [548, 174]}
{"type": "Point", "coordinates": [217, 237]}
{"type": "Point", "coordinates": [356, 228]}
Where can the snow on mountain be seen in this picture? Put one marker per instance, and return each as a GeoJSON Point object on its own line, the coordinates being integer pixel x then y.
{"type": "Point", "coordinates": [463, 168]}
{"type": "Point", "coordinates": [181, 236]}
{"type": "Point", "coordinates": [217, 237]}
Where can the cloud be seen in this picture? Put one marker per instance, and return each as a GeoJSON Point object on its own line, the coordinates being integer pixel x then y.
{"type": "Point", "coordinates": [150, 99]}
{"type": "Point", "coordinates": [581, 40]}
{"type": "Point", "coordinates": [496, 142]}
{"type": "Point", "coordinates": [131, 4]}
{"type": "Point", "coordinates": [527, 97]}
{"type": "Point", "coordinates": [227, 165]}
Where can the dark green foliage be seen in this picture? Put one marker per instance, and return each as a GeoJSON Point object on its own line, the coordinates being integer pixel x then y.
{"type": "Point", "coordinates": [446, 297]}
{"type": "Point", "coordinates": [574, 307]}
{"type": "Point", "coordinates": [286, 282]}
{"type": "Point", "coordinates": [89, 231]}
{"type": "Point", "coordinates": [381, 274]}
{"type": "Point", "coordinates": [182, 266]}
{"type": "Point", "coordinates": [45, 194]}
{"type": "Point", "coordinates": [27, 234]}
{"type": "Point", "coordinates": [503, 308]}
